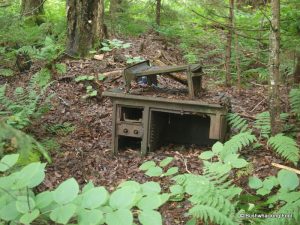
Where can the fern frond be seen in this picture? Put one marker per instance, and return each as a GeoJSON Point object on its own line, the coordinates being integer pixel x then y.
{"type": "Point", "coordinates": [237, 142]}
{"type": "Point", "coordinates": [295, 101]}
{"type": "Point", "coordinates": [290, 208]}
{"type": "Point", "coordinates": [285, 147]}
{"type": "Point", "coordinates": [211, 214]}
{"type": "Point", "coordinates": [237, 122]}
{"type": "Point", "coordinates": [263, 124]}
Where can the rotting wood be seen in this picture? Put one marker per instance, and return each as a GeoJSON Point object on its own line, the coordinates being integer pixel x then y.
{"type": "Point", "coordinates": [285, 167]}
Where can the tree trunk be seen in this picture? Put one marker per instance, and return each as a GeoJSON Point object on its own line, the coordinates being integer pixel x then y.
{"type": "Point", "coordinates": [32, 7]}
{"type": "Point", "coordinates": [274, 62]}
{"type": "Point", "coordinates": [297, 69]}
{"type": "Point", "coordinates": [85, 25]}
{"type": "Point", "coordinates": [158, 9]}
{"type": "Point", "coordinates": [228, 45]}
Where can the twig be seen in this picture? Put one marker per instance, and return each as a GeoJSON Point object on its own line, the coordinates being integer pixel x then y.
{"type": "Point", "coordinates": [257, 105]}
{"type": "Point", "coordinates": [285, 167]}
{"type": "Point", "coordinates": [184, 162]}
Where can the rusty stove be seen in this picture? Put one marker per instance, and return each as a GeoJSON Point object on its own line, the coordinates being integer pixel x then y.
{"type": "Point", "coordinates": [150, 122]}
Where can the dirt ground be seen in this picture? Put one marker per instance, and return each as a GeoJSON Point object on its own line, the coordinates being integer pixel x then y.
{"type": "Point", "coordinates": [85, 154]}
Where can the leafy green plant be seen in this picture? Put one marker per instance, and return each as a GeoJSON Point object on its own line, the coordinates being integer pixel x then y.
{"type": "Point", "coordinates": [286, 200]}
{"type": "Point", "coordinates": [213, 197]}
{"type": "Point", "coordinates": [61, 68]}
{"type": "Point", "coordinates": [285, 147]}
{"type": "Point", "coordinates": [26, 104]}
{"type": "Point", "coordinates": [109, 45]}
{"type": "Point", "coordinates": [91, 205]}
{"type": "Point", "coordinates": [295, 101]}
{"type": "Point", "coordinates": [6, 72]}
{"type": "Point", "coordinates": [237, 122]}
{"type": "Point", "coordinates": [132, 60]}
{"type": "Point", "coordinates": [84, 78]}
{"type": "Point", "coordinates": [153, 170]}
{"type": "Point", "coordinates": [62, 129]}
{"type": "Point", "coordinates": [90, 92]}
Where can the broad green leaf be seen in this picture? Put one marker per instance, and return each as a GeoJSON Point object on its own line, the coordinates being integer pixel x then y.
{"type": "Point", "coordinates": [94, 198]}
{"type": "Point", "coordinates": [166, 161]}
{"type": "Point", "coordinates": [9, 212]}
{"type": "Point", "coordinates": [90, 217]}
{"type": "Point", "coordinates": [26, 175]}
{"type": "Point", "coordinates": [263, 191]}
{"type": "Point", "coordinates": [120, 217]}
{"type": "Point", "coordinates": [151, 188]}
{"type": "Point", "coordinates": [29, 217]}
{"type": "Point", "coordinates": [155, 171]}
{"type": "Point", "coordinates": [150, 217]}
{"type": "Point", "coordinates": [147, 165]}
{"type": "Point", "coordinates": [88, 187]}
{"type": "Point", "coordinates": [101, 77]}
{"type": "Point", "coordinates": [171, 171]}
{"type": "Point", "coordinates": [218, 167]}
{"type": "Point", "coordinates": [63, 214]}
{"type": "Point", "coordinates": [217, 148]}
{"type": "Point", "coordinates": [153, 201]}
{"type": "Point", "coordinates": [38, 177]}
{"type": "Point", "coordinates": [255, 183]}
{"type": "Point", "coordinates": [135, 186]}
{"type": "Point", "coordinates": [122, 198]}
{"type": "Point", "coordinates": [8, 161]}
{"type": "Point", "coordinates": [25, 204]}
{"type": "Point", "coordinates": [44, 199]}
{"type": "Point", "coordinates": [239, 163]}
{"type": "Point", "coordinates": [66, 191]}
{"type": "Point", "coordinates": [288, 179]}
{"type": "Point", "coordinates": [206, 155]}
{"type": "Point", "coordinates": [270, 182]}
{"type": "Point", "coordinates": [176, 189]}
{"type": "Point", "coordinates": [105, 49]}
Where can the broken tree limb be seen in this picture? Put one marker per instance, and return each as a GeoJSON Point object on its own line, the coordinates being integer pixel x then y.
{"type": "Point", "coordinates": [285, 167]}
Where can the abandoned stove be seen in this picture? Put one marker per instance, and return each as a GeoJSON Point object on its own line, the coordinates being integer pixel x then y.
{"type": "Point", "coordinates": [150, 122]}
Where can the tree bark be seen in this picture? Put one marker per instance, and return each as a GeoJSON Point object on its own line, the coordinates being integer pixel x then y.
{"type": "Point", "coordinates": [158, 10]}
{"type": "Point", "coordinates": [85, 25]}
{"type": "Point", "coordinates": [274, 63]}
{"type": "Point", "coordinates": [32, 7]}
{"type": "Point", "coordinates": [229, 43]}
{"type": "Point", "coordinates": [297, 69]}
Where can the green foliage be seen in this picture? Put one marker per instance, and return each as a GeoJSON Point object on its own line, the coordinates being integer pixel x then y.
{"type": "Point", "coordinates": [84, 78]}
{"type": "Point", "coordinates": [286, 200]}
{"type": "Point", "coordinates": [26, 103]}
{"type": "Point", "coordinates": [6, 72]}
{"type": "Point", "coordinates": [132, 60]}
{"type": "Point", "coordinates": [285, 147]}
{"type": "Point", "coordinates": [213, 197]}
{"type": "Point", "coordinates": [61, 129]}
{"type": "Point", "coordinates": [295, 101]}
{"type": "Point", "coordinates": [61, 68]}
{"type": "Point", "coordinates": [109, 45]}
{"type": "Point", "coordinates": [263, 124]}
{"type": "Point", "coordinates": [91, 205]}
{"type": "Point", "coordinates": [153, 170]}
{"type": "Point", "coordinates": [237, 122]}
{"type": "Point", "coordinates": [90, 92]}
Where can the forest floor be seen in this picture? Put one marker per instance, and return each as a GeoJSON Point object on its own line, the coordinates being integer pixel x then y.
{"type": "Point", "coordinates": [85, 153]}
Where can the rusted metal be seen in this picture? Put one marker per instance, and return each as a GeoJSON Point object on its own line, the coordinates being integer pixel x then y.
{"type": "Point", "coordinates": [151, 122]}
{"type": "Point", "coordinates": [193, 73]}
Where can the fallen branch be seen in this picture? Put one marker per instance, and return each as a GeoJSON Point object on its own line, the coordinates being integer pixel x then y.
{"type": "Point", "coordinates": [285, 167]}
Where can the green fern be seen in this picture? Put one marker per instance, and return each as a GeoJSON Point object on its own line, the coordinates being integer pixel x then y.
{"type": "Point", "coordinates": [285, 147]}
{"type": "Point", "coordinates": [295, 101]}
{"type": "Point", "coordinates": [263, 124]}
{"type": "Point", "coordinates": [237, 122]}
{"type": "Point", "coordinates": [212, 197]}
{"type": "Point", "coordinates": [237, 142]}
{"type": "Point", "coordinates": [26, 103]}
